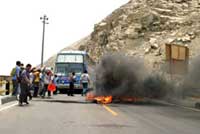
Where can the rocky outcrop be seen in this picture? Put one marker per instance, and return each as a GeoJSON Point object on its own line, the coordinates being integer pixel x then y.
{"type": "Point", "coordinates": [143, 27]}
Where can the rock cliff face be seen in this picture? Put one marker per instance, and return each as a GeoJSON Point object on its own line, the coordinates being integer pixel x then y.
{"type": "Point", "coordinates": [143, 27]}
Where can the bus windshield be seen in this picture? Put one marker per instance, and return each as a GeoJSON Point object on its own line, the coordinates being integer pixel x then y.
{"type": "Point", "coordinates": [65, 69]}
{"type": "Point", "coordinates": [70, 58]}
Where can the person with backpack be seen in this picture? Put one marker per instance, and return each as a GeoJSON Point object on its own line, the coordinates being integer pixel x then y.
{"type": "Point", "coordinates": [25, 85]}
{"type": "Point", "coordinates": [85, 80]}
{"type": "Point", "coordinates": [15, 74]}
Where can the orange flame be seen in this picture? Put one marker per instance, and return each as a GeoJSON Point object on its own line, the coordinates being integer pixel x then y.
{"type": "Point", "coordinates": [103, 99]}
{"type": "Point", "coordinates": [108, 99]}
{"type": "Point", "coordinates": [100, 99]}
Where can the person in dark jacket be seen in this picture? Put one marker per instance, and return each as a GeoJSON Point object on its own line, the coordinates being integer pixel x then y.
{"type": "Point", "coordinates": [25, 84]}
{"type": "Point", "coordinates": [71, 84]}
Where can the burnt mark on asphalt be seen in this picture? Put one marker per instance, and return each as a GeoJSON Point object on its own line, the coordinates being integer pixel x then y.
{"type": "Point", "coordinates": [112, 125]}
{"type": "Point", "coordinates": [113, 104]}
{"type": "Point", "coordinates": [64, 101]}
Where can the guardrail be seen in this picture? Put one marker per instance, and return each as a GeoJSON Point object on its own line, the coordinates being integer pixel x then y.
{"type": "Point", "coordinates": [5, 85]}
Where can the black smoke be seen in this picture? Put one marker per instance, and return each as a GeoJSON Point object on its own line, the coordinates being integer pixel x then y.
{"type": "Point", "coordinates": [157, 86]}
{"type": "Point", "coordinates": [120, 75]}
{"type": "Point", "coordinates": [191, 83]}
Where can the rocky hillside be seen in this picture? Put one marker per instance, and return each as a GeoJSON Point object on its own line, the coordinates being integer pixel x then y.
{"type": "Point", "coordinates": [143, 27]}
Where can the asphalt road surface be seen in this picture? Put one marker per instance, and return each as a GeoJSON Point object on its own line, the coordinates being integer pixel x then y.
{"type": "Point", "coordinates": [72, 115]}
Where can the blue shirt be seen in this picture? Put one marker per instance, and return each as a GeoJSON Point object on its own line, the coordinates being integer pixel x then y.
{"type": "Point", "coordinates": [55, 81]}
{"type": "Point", "coordinates": [17, 73]}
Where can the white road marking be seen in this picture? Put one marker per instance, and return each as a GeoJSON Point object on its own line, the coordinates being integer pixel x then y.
{"type": "Point", "coordinates": [8, 107]}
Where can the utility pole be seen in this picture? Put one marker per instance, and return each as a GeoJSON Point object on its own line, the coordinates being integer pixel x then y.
{"type": "Point", "coordinates": [44, 19]}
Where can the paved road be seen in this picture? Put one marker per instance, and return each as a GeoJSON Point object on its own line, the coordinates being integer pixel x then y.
{"type": "Point", "coordinates": [63, 114]}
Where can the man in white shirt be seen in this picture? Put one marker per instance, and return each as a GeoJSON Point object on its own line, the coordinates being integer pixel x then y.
{"type": "Point", "coordinates": [85, 80]}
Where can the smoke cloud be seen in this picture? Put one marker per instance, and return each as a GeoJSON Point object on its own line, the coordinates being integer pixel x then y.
{"type": "Point", "coordinates": [156, 86]}
{"type": "Point", "coordinates": [191, 83]}
{"type": "Point", "coordinates": [124, 76]}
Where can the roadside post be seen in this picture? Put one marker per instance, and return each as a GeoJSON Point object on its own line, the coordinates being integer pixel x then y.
{"type": "Point", "coordinates": [177, 58]}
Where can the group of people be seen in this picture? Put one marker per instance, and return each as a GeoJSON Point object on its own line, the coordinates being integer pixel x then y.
{"type": "Point", "coordinates": [84, 80]}
{"type": "Point", "coordinates": [26, 78]}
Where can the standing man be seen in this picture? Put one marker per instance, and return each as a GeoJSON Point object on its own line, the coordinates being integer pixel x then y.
{"type": "Point", "coordinates": [71, 84]}
{"type": "Point", "coordinates": [36, 82]}
{"type": "Point", "coordinates": [25, 83]}
{"type": "Point", "coordinates": [41, 83]}
{"type": "Point", "coordinates": [47, 81]}
{"type": "Point", "coordinates": [55, 81]}
{"type": "Point", "coordinates": [85, 80]}
{"type": "Point", "coordinates": [15, 73]}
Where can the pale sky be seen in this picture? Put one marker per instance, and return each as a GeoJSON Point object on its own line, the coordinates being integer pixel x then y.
{"type": "Point", "coordinates": [69, 21]}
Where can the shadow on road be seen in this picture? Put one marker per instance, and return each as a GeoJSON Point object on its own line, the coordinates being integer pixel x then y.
{"type": "Point", "coordinates": [64, 101]}
{"type": "Point", "coordinates": [154, 104]}
{"type": "Point", "coordinates": [114, 104]}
